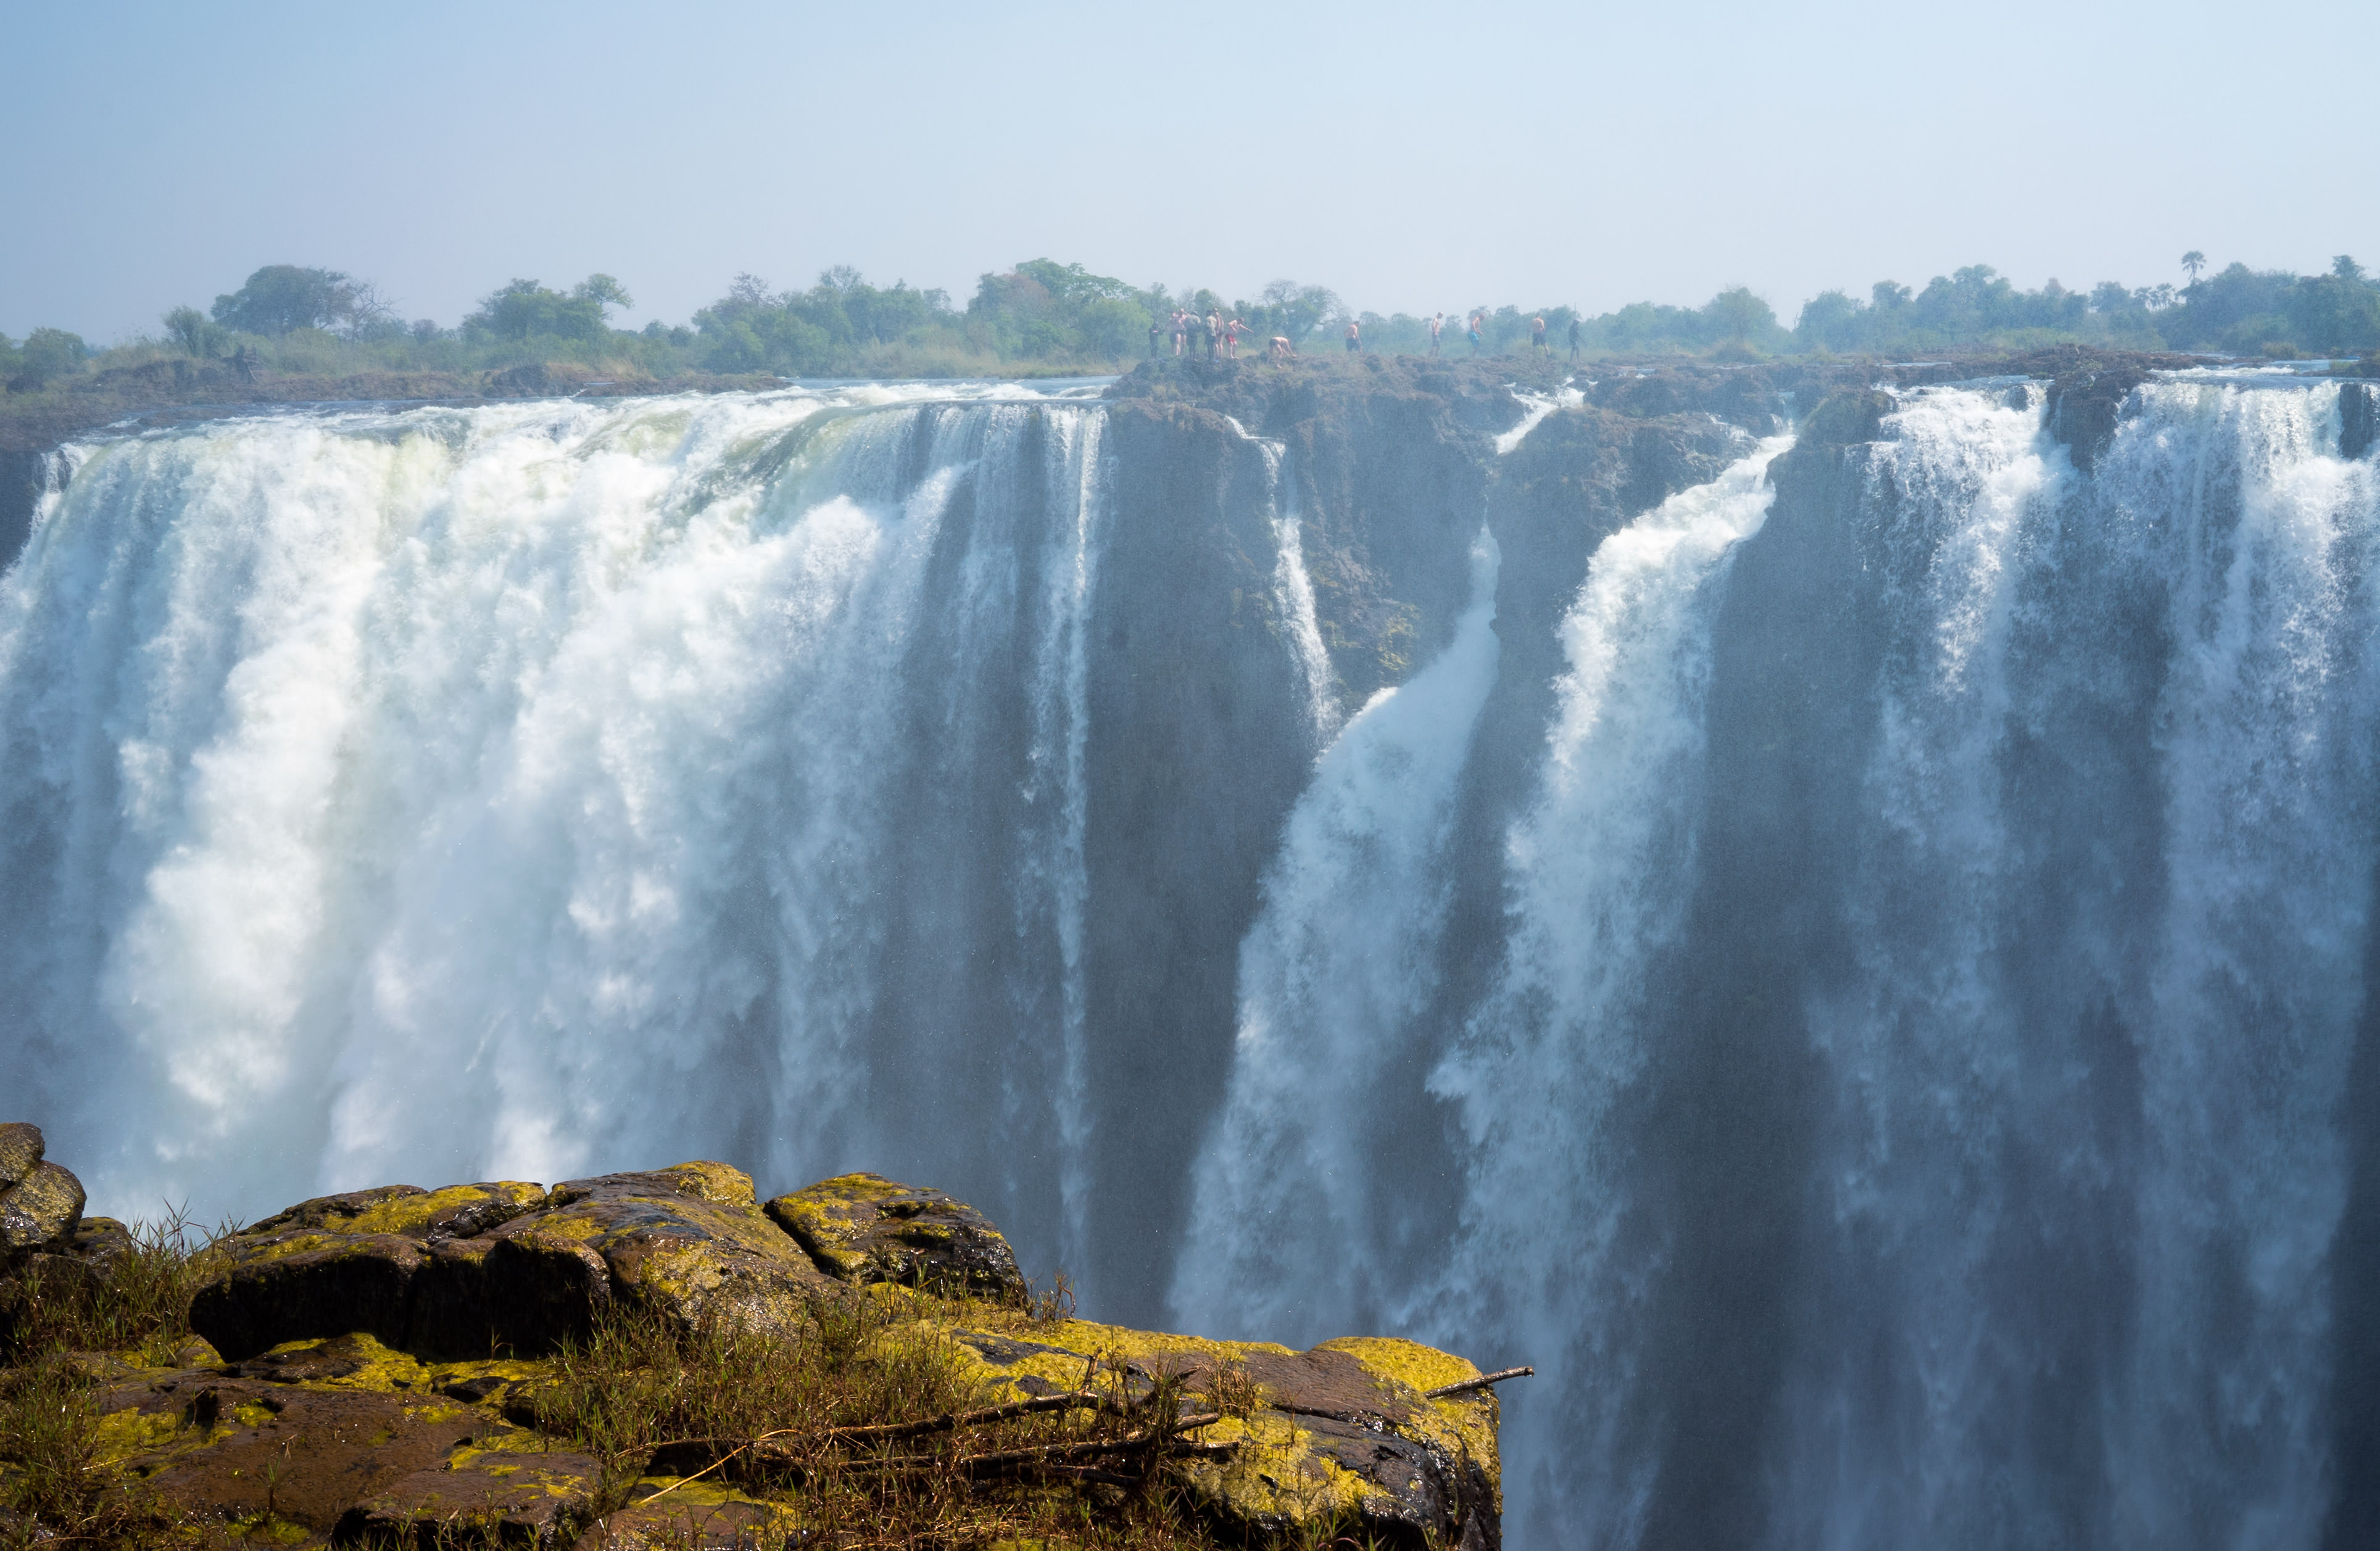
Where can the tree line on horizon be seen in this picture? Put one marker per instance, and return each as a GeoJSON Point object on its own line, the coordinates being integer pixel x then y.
{"type": "Point", "coordinates": [1045, 317]}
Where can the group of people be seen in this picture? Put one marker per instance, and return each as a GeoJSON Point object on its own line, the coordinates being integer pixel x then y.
{"type": "Point", "coordinates": [1213, 336]}
{"type": "Point", "coordinates": [1218, 337]}
{"type": "Point", "coordinates": [1474, 327]}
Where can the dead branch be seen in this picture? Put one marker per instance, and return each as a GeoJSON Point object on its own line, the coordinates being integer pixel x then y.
{"type": "Point", "coordinates": [1482, 1382]}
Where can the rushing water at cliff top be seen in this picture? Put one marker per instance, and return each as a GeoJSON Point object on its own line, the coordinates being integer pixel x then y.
{"type": "Point", "coordinates": [515, 791]}
{"type": "Point", "coordinates": [1894, 1095]}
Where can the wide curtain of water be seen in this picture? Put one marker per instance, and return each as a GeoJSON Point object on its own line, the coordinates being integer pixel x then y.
{"type": "Point", "coordinates": [1901, 1092]}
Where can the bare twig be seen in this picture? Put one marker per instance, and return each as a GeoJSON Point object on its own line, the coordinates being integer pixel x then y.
{"type": "Point", "coordinates": [727, 1448]}
{"type": "Point", "coordinates": [713, 1465]}
{"type": "Point", "coordinates": [1482, 1382]}
{"type": "Point", "coordinates": [1057, 1453]}
{"type": "Point", "coordinates": [952, 1421]}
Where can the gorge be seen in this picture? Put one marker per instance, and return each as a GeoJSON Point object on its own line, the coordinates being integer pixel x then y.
{"type": "Point", "coordinates": [1826, 909]}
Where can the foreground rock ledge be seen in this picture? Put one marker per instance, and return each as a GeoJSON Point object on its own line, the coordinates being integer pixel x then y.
{"type": "Point", "coordinates": [365, 1358]}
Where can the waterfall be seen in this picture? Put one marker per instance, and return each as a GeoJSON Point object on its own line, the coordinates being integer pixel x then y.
{"type": "Point", "coordinates": [508, 792]}
{"type": "Point", "coordinates": [1333, 977]}
{"type": "Point", "coordinates": [1908, 1110]}
{"type": "Point", "coordinates": [1874, 1031]}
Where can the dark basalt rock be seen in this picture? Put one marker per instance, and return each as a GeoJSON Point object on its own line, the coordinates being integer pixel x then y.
{"type": "Point", "coordinates": [489, 1498]}
{"type": "Point", "coordinates": [2085, 405]}
{"type": "Point", "coordinates": [689, 1240]}
{"type": "Point", "coordinates": [505, 1263]}
{"type": "Point", "coordinates": [382, 1261]}
{"type": "Point", "coordinates": [2358, 419]}
{"type": "Point", "coordinates": [865, 1228]}
{"type": "Point", "coordinates": [323, 1443]}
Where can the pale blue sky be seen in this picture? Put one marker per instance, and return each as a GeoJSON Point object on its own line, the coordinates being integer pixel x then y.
{"type": "Point", "coordinates": [1408, 156]}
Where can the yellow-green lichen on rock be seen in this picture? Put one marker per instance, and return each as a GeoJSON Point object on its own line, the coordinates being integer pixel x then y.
{"type": "Point", "coordinates": [865, 1228]}
{"type": "Point", "coordinates": [1338, 1435]}
{"type": "Point", "coordinates": [393, 1374]}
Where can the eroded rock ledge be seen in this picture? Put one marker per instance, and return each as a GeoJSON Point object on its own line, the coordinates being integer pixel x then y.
{"type": "Point", "coordinates": [368, 1368]}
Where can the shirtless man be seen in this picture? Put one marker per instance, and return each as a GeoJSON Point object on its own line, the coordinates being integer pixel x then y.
{"type": "Point", "coordinates": [1181, 328]}
{"type": "Point", "coordinates": [1537, 345]}
{"type": "Point", "coordinates": [1214, 337]}
{"type": "Point", "coordinates": [1437, 321]}
{"type": "Point", "coordinates": [1280, 351]}
{"type": "Point", "coordinates": [1231, 332]}
{"type": "Point", "coordinates": [1354, 338]}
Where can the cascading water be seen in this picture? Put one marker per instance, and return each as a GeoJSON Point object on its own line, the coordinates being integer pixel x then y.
{"type": "Point", "coordinates": [1888, 1083]}
{"type": "Point", "coordinates": [1908, 1111]}
{"type": "Point", "coordinates": [507, 792]}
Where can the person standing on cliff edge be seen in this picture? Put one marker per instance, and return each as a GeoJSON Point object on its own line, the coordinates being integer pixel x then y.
{"type": "Point", "coordinates": [1437, 321]}
{"type": "Point", "coordinates": [1473, 329]}
{"type": "Point", "coordinates": [1537, 345]}
{"type": "Point", "coordinates": [1574, 342]}
{"type": "Point", "coordinates": [1354, 338]}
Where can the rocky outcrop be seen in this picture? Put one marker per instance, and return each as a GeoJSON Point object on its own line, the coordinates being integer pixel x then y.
{"type": "Point", "coordinates": [2085, 405]}
{"type": "Point", "coordinates": [865, 1228]}
{"type": "Point", "coordinates": [334, 1399]}
{"type": "Point", "coordinates": [1347, 1434]}
{"type": "Point", "coordinates": [41, 1203]}
{"type": "Point", "coordinates": [2358, 419]}
{"type": "Point", "coordinates": [505, 1263]}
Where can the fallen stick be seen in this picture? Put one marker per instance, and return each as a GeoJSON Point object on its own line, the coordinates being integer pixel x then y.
{"type": "Point", "coordinates": [1054, 1454]}
{"type": "Point", "coordinates": [706, 1468]}
{"type": "Point", "coordinates": [690, 1451]}
{"type": "Point", "coordinates": [1482, 1382]}
{"type": "Point", "coordinates": [952, 1421]}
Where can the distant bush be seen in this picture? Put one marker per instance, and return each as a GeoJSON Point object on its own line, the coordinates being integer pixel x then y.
{"type": "Point", "coordinates": [46, 355]}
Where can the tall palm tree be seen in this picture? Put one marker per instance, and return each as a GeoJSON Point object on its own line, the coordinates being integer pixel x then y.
{"type": "Point", "coordinates": [2194, 261]}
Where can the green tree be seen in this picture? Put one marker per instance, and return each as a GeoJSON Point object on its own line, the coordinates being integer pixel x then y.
{"type": "Point", "coordinates": [526, 310]}
{"type": "Point", "coordinates": [1112, 326]}
{"type": "Point", "coordinates": [280, 298]}
{"type": "Point", "coordinates": [603, 291]}
{"type": "Point", "coordinates": [46, 355]}
{"type": "Point", "coordinates": [2191, 262]}
{"type": "Point", "coordinates": [1294, 312]}
{"type": "Point", "coordinates": [1741, 314]}
{"type": "Point", "coordinates": [197, 333]}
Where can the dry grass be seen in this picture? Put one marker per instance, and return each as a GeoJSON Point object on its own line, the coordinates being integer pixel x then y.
{"type": "Point", "coordinates": [774, 1410]}
{"type": "Point", "coordinates": [868, 1361]}
{"type": "Point", "coordinates": [141, 1306]}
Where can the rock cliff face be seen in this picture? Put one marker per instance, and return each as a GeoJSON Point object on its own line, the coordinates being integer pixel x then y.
{"type": "Point", "coordinates": [1200, 739]}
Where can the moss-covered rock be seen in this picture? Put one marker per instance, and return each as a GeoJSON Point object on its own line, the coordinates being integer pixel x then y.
{"type": "Point", "coordinates": [673, 1513]}
{"type": "Point", "coordinates": [325, 1435]}
{"type": "Point", "coordinates": [690, 1241]}
{"type": "Point", "coordinates": [865, 1228]}
{"type": "Point", "coordinates": [342, 1434]}
{"type": "Point", "coordinates": [1339, 1437]}
{"type": "Point", "coordinates": [20, 1150]}
{"type": "Point", "coordinates": [503, 1264]}
{"type": "Point", "coordinates": [400, 1262]}
{"type": "Point", "coordinates": [39, 1212]}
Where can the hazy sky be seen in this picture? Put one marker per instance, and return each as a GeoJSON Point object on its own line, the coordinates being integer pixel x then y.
{"type": "Point", "coordinates": [1409, 157]}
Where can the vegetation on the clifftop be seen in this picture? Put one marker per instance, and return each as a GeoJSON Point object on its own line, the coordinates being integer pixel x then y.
{"type": "Point", "coordinates": [659, 1359]}
{"type": "Point", "coordinates": [291, 334]}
